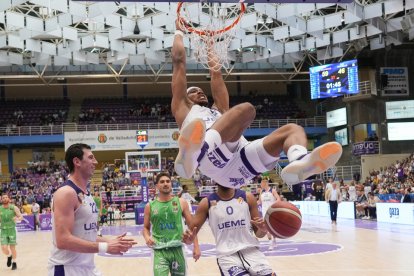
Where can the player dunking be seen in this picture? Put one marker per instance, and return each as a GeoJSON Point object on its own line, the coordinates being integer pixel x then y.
{"type": "Point", "coordinates": [267, 197]}
{"type": "Point", "coordinates": [9, 215]}
{"type": "Point", "coordinates": [233, 217]}
{"type": "Point", "coordinates": [221, 152]}
{"type": "Point", "coordinates": [75, 216]}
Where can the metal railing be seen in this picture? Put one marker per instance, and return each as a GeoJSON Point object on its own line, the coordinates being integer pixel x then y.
{"type": "Point", "coordinates": [364, 89]}
{"type": "Point", "coordinates": [344, 172]}
{"type": "Point", "coordinates": [60, 129]}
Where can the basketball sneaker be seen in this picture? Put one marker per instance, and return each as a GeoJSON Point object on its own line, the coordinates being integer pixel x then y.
{"type": "Point", "coordinates": [9, 261]}
{"type": "Point", "coordinates": [315, 162]}
{"type": "Point", "coordinates": [191, 145]}
{"type": "Point", "coordinates": [14, 266]}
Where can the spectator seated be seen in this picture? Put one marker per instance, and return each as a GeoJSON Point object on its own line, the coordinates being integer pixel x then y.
{"type": "Point", "coordinates": [18, 113]}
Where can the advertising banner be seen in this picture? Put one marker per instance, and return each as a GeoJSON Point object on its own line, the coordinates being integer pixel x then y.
{"type": "Point", "coordinates": [45, 221]}
{"type": "Point", "coordinates": [363, 148]}
{"type": "Point", "coordinates": [321, 208]}
{"type": "Point", "coordinates": [123, 139]}
{"type": "Point", "coordinates": [27, 224]}
{"type": "Point", "coordinates": [139, 214]}
{"type": "Point", "coordinates": [402, 213]}
{"type": "Point", "coordinates": [396, 81]}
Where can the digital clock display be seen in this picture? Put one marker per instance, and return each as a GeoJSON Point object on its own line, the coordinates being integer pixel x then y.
{"type": "Point", "coordinates": [333, 80]}
{"type": "Point", "coordinates": [142, 137]}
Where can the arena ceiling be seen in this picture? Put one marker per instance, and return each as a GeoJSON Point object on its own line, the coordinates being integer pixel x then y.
{"type": "Point", "coordinates": [54, 39]}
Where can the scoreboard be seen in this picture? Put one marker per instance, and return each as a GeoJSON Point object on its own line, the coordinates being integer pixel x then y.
{"type": "Point", "coordinates": [333, 80]}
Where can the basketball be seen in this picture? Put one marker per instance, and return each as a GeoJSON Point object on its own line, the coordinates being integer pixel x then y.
{"type": "Point", "coordinates": [283, 219]}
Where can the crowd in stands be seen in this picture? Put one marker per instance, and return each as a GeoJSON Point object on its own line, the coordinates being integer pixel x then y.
{"type": "Point", "coordinates": [95, 116]}
{"type": "Point", "coordinates": [159, 110]}
{"type": "Point", "coordinates": [394, 183]}
{"type": "Point", "coordinates": [99, 111]}
{"type": "Point", "coordinates": [19, 113]}
{"type": "Point", "coordinates": [31, 188]}
{"type": "Point", "coordinates": [52, 112]}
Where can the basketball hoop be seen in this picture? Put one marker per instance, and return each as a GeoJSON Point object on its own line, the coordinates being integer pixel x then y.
{"type": "Point", "coordinates": [211, 29]}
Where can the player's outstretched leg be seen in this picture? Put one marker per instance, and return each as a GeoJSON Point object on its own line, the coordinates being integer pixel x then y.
{"type": "Point", "coordinates": [190, 144]}
{"type": "Point", "coordinates": [315, 162]}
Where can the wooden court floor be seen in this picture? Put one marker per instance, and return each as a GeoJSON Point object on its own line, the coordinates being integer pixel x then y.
{"type": "Point", "coordinates": [360, 248]}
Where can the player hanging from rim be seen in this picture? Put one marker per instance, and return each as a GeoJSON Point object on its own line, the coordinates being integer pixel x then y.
{"type": "Point", "coordinates": [267, 197]}
{"type": "Point", "coordinates": [221, 152]}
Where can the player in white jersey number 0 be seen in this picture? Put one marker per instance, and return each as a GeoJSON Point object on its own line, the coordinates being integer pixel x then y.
{"type": "Point", "coordinates": [236, 224]}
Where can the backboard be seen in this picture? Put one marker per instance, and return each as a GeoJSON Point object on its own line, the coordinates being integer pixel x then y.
{"type": "Point", "coordinates": [149, 161]}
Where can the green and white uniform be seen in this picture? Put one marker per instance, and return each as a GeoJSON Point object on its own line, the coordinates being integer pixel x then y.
{"type": "Point", "coordinates": [98, 202]}
{"type": "Point", "coordinates": [167, 229]}
{"type": "Point", "coordinates": [8, 225]}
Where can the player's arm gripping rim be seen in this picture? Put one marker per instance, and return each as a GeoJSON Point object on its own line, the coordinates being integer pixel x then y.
{"type": "Point", "coordinates": [179, 79]}
{"type": "Point", "coordinates": [218, 87]}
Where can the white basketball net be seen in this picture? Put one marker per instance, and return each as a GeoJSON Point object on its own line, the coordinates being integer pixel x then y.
{"type": "Point", "coordinates": [211, 29]}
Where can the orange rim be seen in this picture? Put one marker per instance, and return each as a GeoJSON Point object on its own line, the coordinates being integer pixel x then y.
{"type": "Point", "coordinates": [208, 32]}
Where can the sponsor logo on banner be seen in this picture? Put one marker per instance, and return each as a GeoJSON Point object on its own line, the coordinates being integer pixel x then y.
{"type": "Point", "coordinates": [144, 193]}
{"type": "Point", "coordinates": [122, 139]}
{"type": "Point", "coordinates": [102, 138]}
{"type": "Point", "coordinates": [175, 135]}
{"type": "Point", "coordinates": [394, 213]}
{"type": "Point", "coordinates": [368, 147]}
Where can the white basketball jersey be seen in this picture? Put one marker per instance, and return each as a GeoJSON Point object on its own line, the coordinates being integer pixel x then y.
{"type": "Point", "coordinates": [230, 223]}
{"type": "Point", "coordinates": [267, 199]}
{"type": "Point", "coordinates": [85, 227]}
{"type": "Point", "coordinates": [208, 115]}
{"type": "Point", "coordinates": [352, 193]}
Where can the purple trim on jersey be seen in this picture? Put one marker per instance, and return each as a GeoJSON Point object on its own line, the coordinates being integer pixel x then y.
{"type": "Point", "coordinates": [73, 186]}
{"type": "Point", "coordinates": [220, 153]}
{"type": "Point", "coordinates": [237, 194]}
{"type": "Point", "coordinates": [247, 163]}
{"type": "Point", "coordinates": [59, 270]}
{"type": "Point", "coordinates": [240, 193]}
{"type": "Point", "coordinates": [221, 271]}
{"type": "Point", "coordinates": [203, 152]}
{"type": "Point", "coordinates": [270, 190]}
